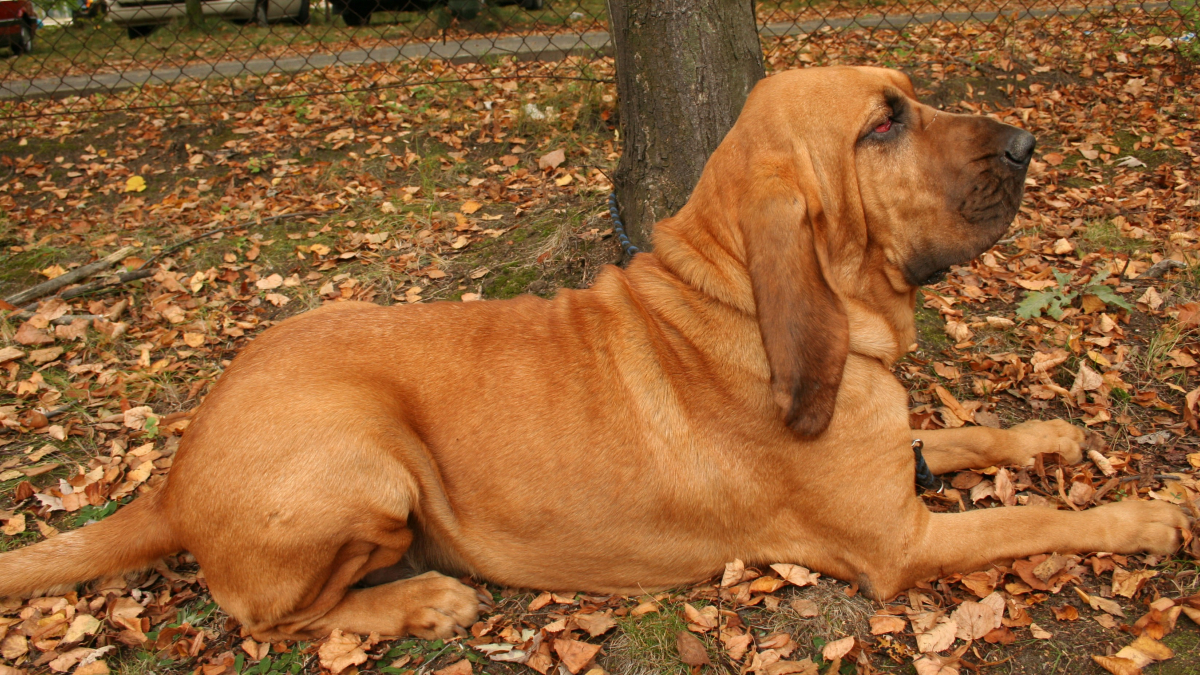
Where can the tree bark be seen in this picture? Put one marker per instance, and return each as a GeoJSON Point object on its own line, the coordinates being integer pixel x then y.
{"type": "Point", "coordinates": [194, 13]}
{"type": "Point", "coordinates": [684, 69]}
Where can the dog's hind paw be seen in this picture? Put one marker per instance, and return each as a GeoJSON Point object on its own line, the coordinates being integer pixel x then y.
{"type": "Point", "coordinates": [441, 607]}
{"type": "Point", "coordinates": [1058, 436]}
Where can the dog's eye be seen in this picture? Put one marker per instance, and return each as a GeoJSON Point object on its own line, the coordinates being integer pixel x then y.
{"type": "Point", "coordinates": [885, 127]}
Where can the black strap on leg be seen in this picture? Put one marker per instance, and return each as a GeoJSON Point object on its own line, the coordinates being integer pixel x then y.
{"type": "Point", "coordinates": [925, 478]}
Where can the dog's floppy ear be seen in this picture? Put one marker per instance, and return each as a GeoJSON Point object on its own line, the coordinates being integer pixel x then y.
{"type": "Point", "coordinates": [803, 323]}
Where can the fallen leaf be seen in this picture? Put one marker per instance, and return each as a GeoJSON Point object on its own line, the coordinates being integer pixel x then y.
{"type": "Point", "coordinates": [691, 649]}
{"type": "Point", "coordinates": [40, 356]}
{"type": "Point", "coordinates": [1065, 613]}
{"type": "Point", "coordinates": [135, 418]}
{"type": "Point", "coordinates": [932, 665]}
{"type": "Point", "coordinates": [596, 623]}
{"type": "Point", "coordinates": [81, 625]}
{"type": "Point", "coordinates": [1117, 665]}
{"type": "Point", "coordinates": [938, 638]}
{"type": "Point", "coordinates": [135, 184]}
{"type": "Point", "coordinates": [887, 624]}
{"type": "Point", "coordinates": [1037, 632]}
{"type": "Point", "coordinates": [700, 620]}
{"type": "Point", "coordinates": [269, 283]}
{"type": "Point", "coordinates": [11, 354]}
{"type": "Point", "coordinates": [837, 649]}
{"type": "Point", "coordinates": [973, 620]}
{"type": "Point", "coordinates": [552, 159]}
{"type": "Point", "coordinates": [28, 334]}
{"type": "Point", "coordinates": [575, 654]}
{"type": "Point", "coordinates": [341, 651]}
{"type": "Point", "coordinates": [470, 206]}
{"type": "Point", "coordinates": [15, 525]}
{"type": "Point", "coordinates": [795, 574]}
{"type": "Point", "coordinates": [462, 667]}
{"type": "Point", "coordinates": [1101, 604]}
{"type": "Point", "coordinates": [1127, 584]}
{"type": "Point", "coordinates": [734, 573]}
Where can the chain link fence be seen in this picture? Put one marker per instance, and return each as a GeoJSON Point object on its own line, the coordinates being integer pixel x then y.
{"type": "Point", "coordinates": [85, 56]}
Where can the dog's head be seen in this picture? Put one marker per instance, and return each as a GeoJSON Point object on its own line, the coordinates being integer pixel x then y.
{"type": "Point", "coordinates": [837, 186]}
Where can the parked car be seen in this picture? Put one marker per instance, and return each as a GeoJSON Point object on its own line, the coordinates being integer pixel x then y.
{"type": "Point", "coordinates": [141, 17]}
{"type": "Point", "coordinates": [18, 23]}
{"type": "Point", "coordinates": [358, 12]}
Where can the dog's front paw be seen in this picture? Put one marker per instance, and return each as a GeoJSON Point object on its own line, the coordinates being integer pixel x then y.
{"type": "Point", "coordinates": [1136, 526]}
{"type": "Point", "coordinates": [1058, 436]}
{"type": "Point", "coordinates": [442, 607]}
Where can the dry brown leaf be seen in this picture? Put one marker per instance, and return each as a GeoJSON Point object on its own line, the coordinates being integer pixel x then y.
{"type": "Point", "coordinates": [341, 651]}
{"type": "Point", "coordinates": [804, 607]}
{"type": "Point", "coordinates": [597, 623]}
{"type": "Point", "coordinates": [805, 667]}
{"type": "Point", "coordinates": [644, 608]}
{"type": "Point", "coordinates": [938, 638]}
{"type": "Point", "coordinates": [1127, 584]}
{"type": "Point", "coordinates": [575, 654]}
{"type": "Point", "coordinates": [1101, 604]}
{"type": "Point", "coordinates": [736, 645]}
{"type": "Point", "coordinates": [973, 620]}
{"type": "Point", "coordinates": [552, 159]}
{"type": "Point", "coordinates": [691, 649]}
{"type": "Point", "coordinates": [837, 649]}
{"type": "Point", "coordinates": [795, 574]}
{"type": "Point", "coordinates": [462, 667]}
{"type": "Point", "coordinates": [887, 624]}
{"type": "Point", "coordinates": [734, 573]}
{"type": "Point", "coordinates": [766, 585]}
{"type": "Point", "coordinates": [932, 665]}
{"type": "Point", "coordinates": [1117, 665]}
{"type": "Point", "coordinates": [700, 620]}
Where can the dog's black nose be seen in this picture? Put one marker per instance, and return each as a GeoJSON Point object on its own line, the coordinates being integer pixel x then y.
{"type": "Point", "coordinates": [1020, 148]}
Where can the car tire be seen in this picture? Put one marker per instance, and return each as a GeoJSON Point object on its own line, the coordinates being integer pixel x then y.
{"type": "Point", "coordinates": [533, 4]}
{"type": "Point", "coordinates": [24, 41]}
{"type": "Point", "coordinates": [260, 14]}
{"type": "Point", "coordinates": [135, 32]}
{"type": "Point", "coordinates": [305, 15]}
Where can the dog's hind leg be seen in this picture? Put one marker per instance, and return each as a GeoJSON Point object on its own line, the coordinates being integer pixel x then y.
{"type": "Point", "coordinates": [977, 447]}
{"type": "Point", "coordinates": [309, 591]}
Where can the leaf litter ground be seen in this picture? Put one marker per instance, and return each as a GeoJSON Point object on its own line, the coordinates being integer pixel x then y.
{"type": "Point", "coordinates": [244, 215]}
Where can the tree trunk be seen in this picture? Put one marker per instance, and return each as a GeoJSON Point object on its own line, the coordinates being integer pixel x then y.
{"type": "Point", "coordinates": [684, 69]}
{"type": "Point", "coordinates": [194, 15]}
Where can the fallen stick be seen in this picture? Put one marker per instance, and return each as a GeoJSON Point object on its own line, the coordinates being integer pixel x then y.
{"type": "Point", "coordinates": [100, 284]}
{"type": "Point", "coordinates": [82, 272]}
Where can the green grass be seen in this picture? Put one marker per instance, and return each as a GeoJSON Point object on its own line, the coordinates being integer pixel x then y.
{"type": "Point", "coordinates": [1104, 234]}
{"type": "Point", "coordinates": [646, 645]}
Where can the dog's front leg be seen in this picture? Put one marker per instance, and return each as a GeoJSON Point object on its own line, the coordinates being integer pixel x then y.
{"type": "Point", "coordinates": [947, 543]}
{"type": "Point", "coordinates": [977, 447]}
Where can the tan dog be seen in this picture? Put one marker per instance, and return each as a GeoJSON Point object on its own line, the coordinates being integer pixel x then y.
{"type": "Point", "coordinates": [727, 396]}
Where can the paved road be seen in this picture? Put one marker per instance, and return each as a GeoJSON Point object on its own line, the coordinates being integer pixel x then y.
{"type": "Point", "coordinates": [540, 47]}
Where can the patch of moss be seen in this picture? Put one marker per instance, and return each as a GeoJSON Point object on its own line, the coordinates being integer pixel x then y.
{"type": "Point", "coordinates": [1186, 645]}
{"type": "Point", "coordinates": [510, 281]}
{"type": "Point", "coordinates": [931, 334]}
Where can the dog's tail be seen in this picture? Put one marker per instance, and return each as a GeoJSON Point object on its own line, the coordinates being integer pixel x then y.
{"type": "Point", "coordinates": [133, 537]}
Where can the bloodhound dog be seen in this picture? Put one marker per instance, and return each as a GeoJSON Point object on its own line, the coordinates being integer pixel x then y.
{"type": "Point", "coordinates": [726, 396]}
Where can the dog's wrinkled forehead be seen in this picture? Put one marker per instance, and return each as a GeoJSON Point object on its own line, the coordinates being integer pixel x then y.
{"type": "Point", "coordinates": [831, 100]}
